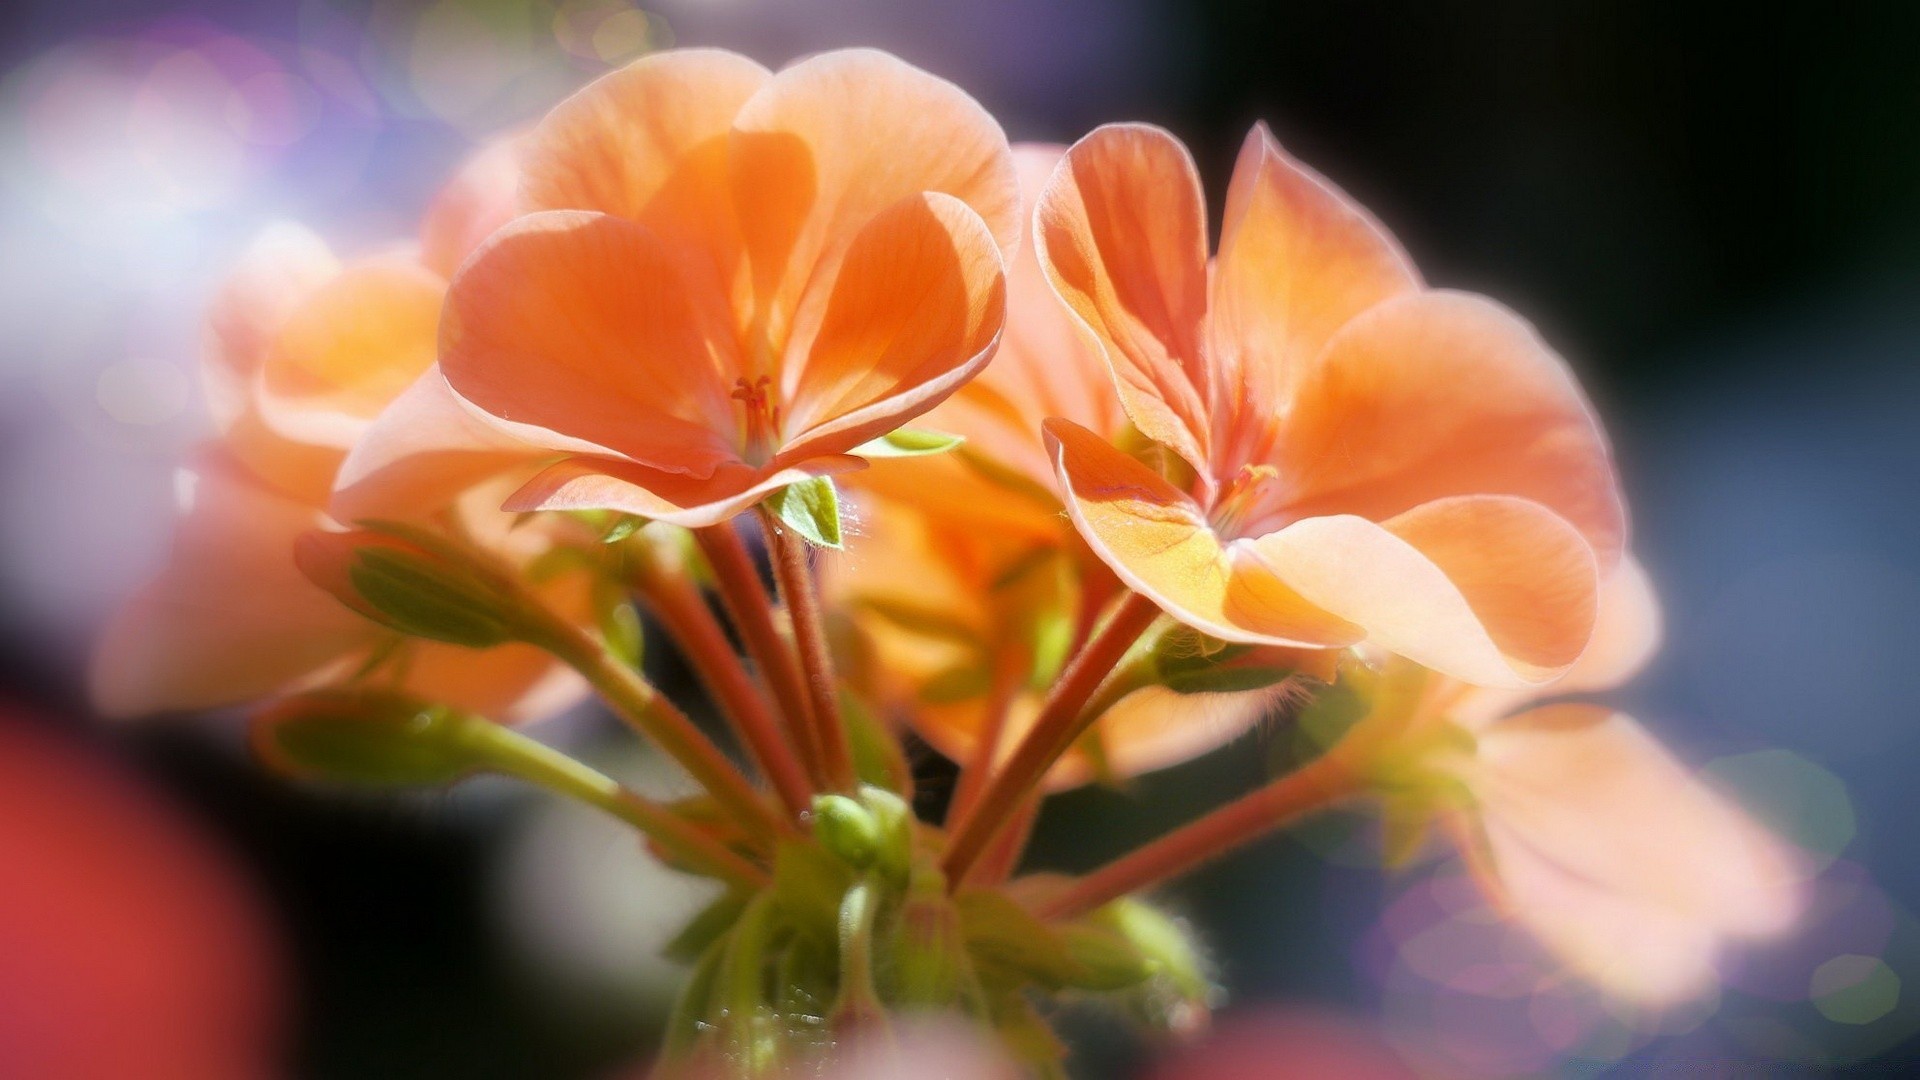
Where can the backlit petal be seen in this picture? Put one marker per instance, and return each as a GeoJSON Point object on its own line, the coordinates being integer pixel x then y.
{"type": "Point", "coordinates": [482, 196]}
{"type": "Point", "coordinates": [837, 138]}
{"type": "Point", "coordinates": [588, 483]}
{"type": "Point", "coordinates": [347, 351]}
{"type": "Point", "coordinates": [1490, 590]}
{"type": "Point", "coordinates": [648, 142]}
{"type": "Point", "coordinates": [1157, 540]}
{"type": "Point", "coordinates": [1298, 259]}
{"type": "Point", "coordinates": [1044, 366]}
{"type": "Point", "coordinates": [230, 618]}
{"type": "Point", "coordinates": [424, 451]}
{"type": "Point", "coordinates": [912, 314]}
{"type": "Point", "coordinates": [1440, 394]}
{"type": "Point", "coordinates": [275, 275]}
{"type": "Point", "coordinates": [1121, 232]}
{"type": "Point", "coordinates": [579, 327]}
{"type": "Point", "coordinates": [1588, 792]}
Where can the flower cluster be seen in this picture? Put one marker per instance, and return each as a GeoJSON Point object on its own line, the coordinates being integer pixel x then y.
{"type": "Point", "coordinates": [1038, 480]}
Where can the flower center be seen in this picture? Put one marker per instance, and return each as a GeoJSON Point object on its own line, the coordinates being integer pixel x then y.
{"type": "Point", "coordinates": [761, 422]}
{"type": "Point", "coordinates": [1247, 501]}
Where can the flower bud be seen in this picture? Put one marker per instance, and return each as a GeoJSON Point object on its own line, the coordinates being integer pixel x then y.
{"type": "Point", "coordinates": [930, 967]}
{"type": "Point", "coordinates": [847, 829]}
{"type": "Point", "coordinates": [400, 584]}
{"type": "Point", "coordinates": [370, 737]}
{"type": "Point", "coordinates": [1189, 662]}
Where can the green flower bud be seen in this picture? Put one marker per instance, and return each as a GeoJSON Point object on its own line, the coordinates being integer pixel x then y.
{"type": "Point", "coordinates": [408, 587]}
{"type": "Point", "coordinates": [847, 829]}
{"type": "Point", "coordinates": [370, 737]}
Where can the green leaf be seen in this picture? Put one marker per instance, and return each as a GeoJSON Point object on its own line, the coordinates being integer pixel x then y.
{"type": "Point", "coordinates": [907, 442]}
{"type": "Point", "coordinates": [810, 508]}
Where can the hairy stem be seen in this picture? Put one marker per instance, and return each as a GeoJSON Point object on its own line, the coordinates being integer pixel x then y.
{"type": "Point", "coordinates": [751, 612]}
{"type": "Point", "coordinates": [692, 625]}
{"type": "Point", "coordinates": [1062, 718]}
{"type": "Point", "coordinates": [793, 570]}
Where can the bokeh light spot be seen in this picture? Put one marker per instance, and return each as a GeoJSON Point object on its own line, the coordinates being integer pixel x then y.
{"type": "Point", "coordinates": [1794, 797]}
{"type": "Point", "coordinates": [1855, 989]}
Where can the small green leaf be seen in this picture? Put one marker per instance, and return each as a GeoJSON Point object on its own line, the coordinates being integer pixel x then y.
{"type": "Point", "coordinates": [810, 508]}
{"type": "Point", "coordinates": [623, 526]}
{"type": "Point", "coordinates": [907, 442]}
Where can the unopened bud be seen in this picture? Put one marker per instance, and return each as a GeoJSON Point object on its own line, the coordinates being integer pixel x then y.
{"type": "Point", "coordinates": [847, 829]}
{"type": "Point", "coordinates": [408, 587]}
{"type": "Point", "coordinates": [369, 737]}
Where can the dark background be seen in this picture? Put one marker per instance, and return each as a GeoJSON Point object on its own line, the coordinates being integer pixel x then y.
{"type": "Point", "coordinates": [1714, 212]}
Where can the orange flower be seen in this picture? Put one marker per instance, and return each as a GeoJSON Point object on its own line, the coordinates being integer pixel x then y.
{"type": "Point", "coordinates": [724, 281]}
{"type": "Point", "coordinates": [1375, 461]}
{"type": "Point", "coordinates": [1584, 829]}
{"type": "Point", "coordinates": [303, 353]}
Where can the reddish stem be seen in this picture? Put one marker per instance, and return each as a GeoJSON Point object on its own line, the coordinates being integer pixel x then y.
{"type": "Point", "coordinates": [1061, 721]}
{"type": "Point", "coordinates": [793, 571]}
{"type": "Point", "coordinates": [1008, 673]}
{"type": "Point", "coordinates": [697, 632]}
{"type": "Point", "coordinates": [751, 611]}
{"type": "Point", "coordinates": [1326, 780]}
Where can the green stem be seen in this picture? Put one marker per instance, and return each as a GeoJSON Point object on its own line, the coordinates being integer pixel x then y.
{"type": "Point", "coordinates": [536, 763]}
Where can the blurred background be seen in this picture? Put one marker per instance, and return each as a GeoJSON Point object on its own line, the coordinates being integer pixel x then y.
{"type": "Point", "coordinates": [1714, 215]}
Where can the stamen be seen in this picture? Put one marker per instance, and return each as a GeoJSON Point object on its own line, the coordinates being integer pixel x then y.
{"type": "Point", "coordinates": [1245, 499]}
{"type": "Point", "coordinates": [760, 428]}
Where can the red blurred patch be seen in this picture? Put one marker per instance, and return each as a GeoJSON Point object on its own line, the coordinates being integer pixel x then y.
{"type": "Point", "coordinates": [1286, 1044]}
{"type": "Point", "coordinates": [129, 946]}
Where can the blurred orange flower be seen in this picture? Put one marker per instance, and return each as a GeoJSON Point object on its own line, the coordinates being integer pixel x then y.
{"type": "Point", "coordinates": [1584, 829]}
{"type": "Point", "coordinates": [1373, 460]}
{"type": "Point", "coordinates": [303, 353]}
{"type": "Point", "coordinates": [723, 281]}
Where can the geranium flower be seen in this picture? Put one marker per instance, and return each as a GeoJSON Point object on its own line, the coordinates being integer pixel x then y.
{"type": "Point", "coordinates": [723, 281]}
{"type": "Point", "coordinates": [303, 353]}
{"type": "Point", "coordinates": [1584, 829]}
{"type": "Point", "coordinates": [1373, 460]}
{"type": "Point", "coordinates": [972, 561]}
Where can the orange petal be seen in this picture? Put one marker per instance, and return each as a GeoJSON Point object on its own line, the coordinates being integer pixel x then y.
{"type": "Point", "coordinates": [835, 139]}
{"type": "Point", "coordinates": [279, 270]}
{"type": "Point", "coordinates": [350, 349]}
{"type": "Point", "coordinates": [649, 142]}
{"type": "Point", "coordinates": [1157, 540]}
{"type": "Point", "coordinates": [511, 684]}
{"type": "Point", "coordinates": [1298, 259]}
{"type": "Point", "coordinates": [1589, 794]}
{"type": "Point", "coordinates": [230, 618]}
{"type": "Point", "coordinates": [589, 483]}
{"type": "Point", "coordinates": [913, 313]}
{"type": "Point", "coordinates": [482, 196]}
{"type": "Point", "coordinates": [1491, 590]}
{"type": "Point", "coordinates": [1044, 366]}
{"type": "Point", "coordinates": [579, 329]}
{"type": "Point", "coordinates": [1440, 394]}
{"type": "Point", "coordinates": [1121, 232]}
{"type": "Point", "coordinates": [421, 453]}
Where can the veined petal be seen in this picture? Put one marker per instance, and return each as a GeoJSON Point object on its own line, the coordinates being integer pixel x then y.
{"type": "Point", "coordinates": [1157, 540]}
{"type": "Point", "coordinates": [346, 352]}
{"type": "Point", "coordinates": [588, 483]}
{"type": "Point", "coordinates": [423, 451]}
{"type": "Point", "coordinates": [230, 618]}
{"type": "Point", "coordinates": [913, 313]}
{"type": "Point", "coordinates": [1298, 259]}
{"type": "Point", "coordinates": [278, 271]}
{"type": "Point", "coordinates": [580, 325]}
{"type": "Point", "coordinates": [1590, 794]}
{"type": "Point", "coordinates": [1121, 232]}
{"type": "Point", "coordinates": [482, 196]}
{"type": "Point", "coordinates": [648, 142]}
{"type": "Point", "coordinates": [1438, 394]}
{"type": "Point", "coordinates": [835, 139]}
{"type": "Point", "coordinates": [1044, 366]}
{"type": "Point", "coordinates": [1491, 590]}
